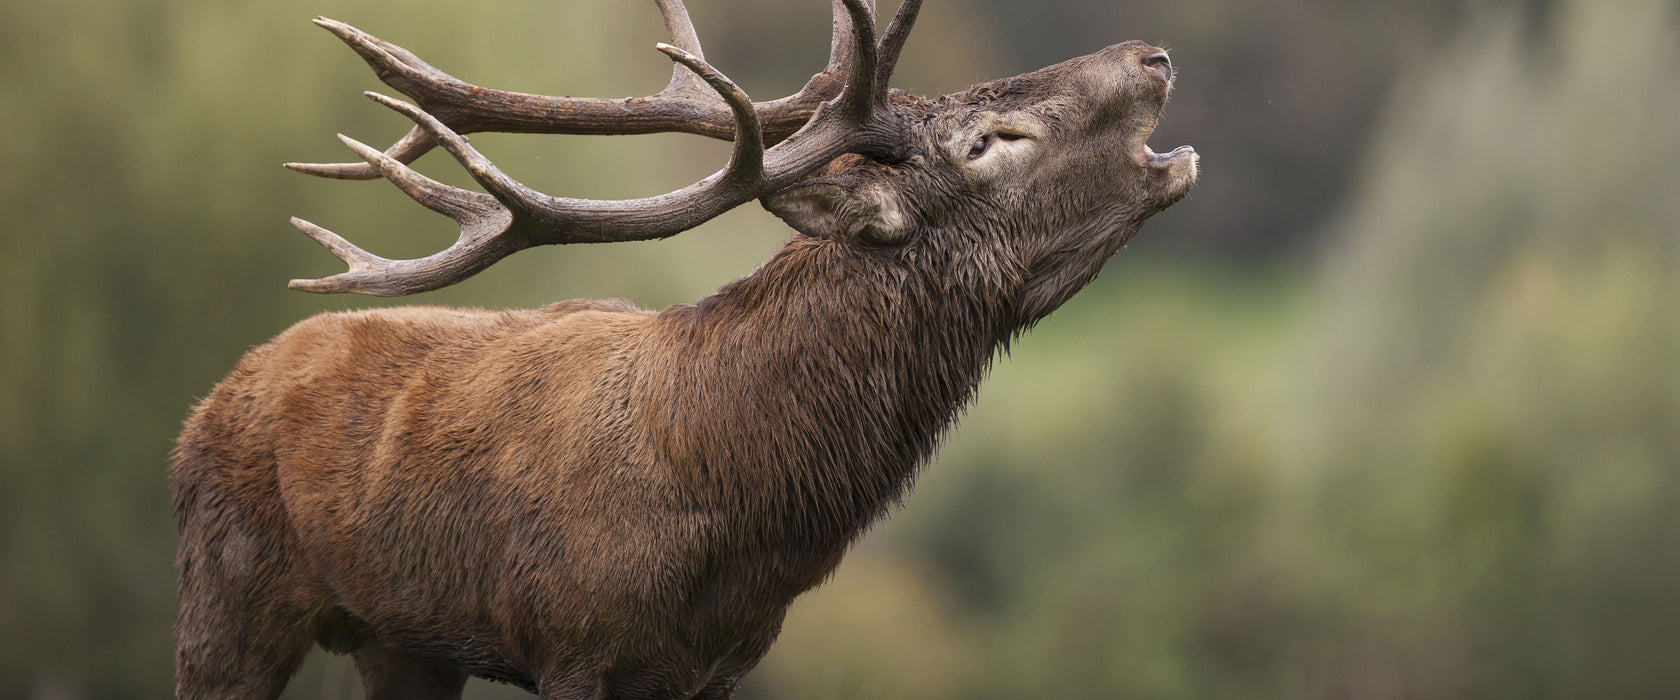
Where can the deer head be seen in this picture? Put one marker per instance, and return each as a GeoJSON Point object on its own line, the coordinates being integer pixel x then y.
{"type": "Point", "coordinates": [1023, 185]}
{"type": "Point", "coordinates": [1018, 189]}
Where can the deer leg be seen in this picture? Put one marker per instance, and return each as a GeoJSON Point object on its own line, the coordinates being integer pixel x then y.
{"type": "Point", "coordinates": [237, 636]}
{"type": "Point", "coordinates": [228, 664]}
{"type": "Point", "coordinates": [391, 675]}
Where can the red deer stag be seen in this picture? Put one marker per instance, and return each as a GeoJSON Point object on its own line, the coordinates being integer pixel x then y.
{"type": "Point", "coordinates": [589, 500]}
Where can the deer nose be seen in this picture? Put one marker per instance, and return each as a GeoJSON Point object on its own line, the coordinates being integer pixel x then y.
{"type": "Point", "coordinates": [1159, 63]}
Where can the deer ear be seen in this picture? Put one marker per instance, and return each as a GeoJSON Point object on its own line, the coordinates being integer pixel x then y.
{"type": "Point", "coordinates": [823, 209]}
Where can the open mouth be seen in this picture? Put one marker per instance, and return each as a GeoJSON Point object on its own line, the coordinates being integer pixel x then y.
{"type": "Point", "coordinates": [1160, 162]}
{"type": "Point", "coordinates": [1178, 166]}
{"type": "Point", "coordinates": [1173, 172]}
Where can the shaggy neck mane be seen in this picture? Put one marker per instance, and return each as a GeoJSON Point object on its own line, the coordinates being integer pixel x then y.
{"type": "Point", "coordinates": [815, 387]}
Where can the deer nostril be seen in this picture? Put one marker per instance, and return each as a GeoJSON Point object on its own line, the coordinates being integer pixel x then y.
{"type": "Point", "coordinates": [1159, 63]}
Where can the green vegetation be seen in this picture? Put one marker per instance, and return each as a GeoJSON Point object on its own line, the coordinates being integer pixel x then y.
{"type": "Point", "coordinates": [1437, 456]}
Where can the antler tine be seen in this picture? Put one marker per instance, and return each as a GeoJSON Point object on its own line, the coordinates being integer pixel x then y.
{"type": "Point", "coordinates": [480, 216]}
{"type": "Point", "coordinates": [381, 277]}
{"type": "Point", "coordinates": [394, 65]}
{"type": "Point", "coordinates": [352, 255]}
{"type": "Point", "coordinates": [505, 189]}
{"type": "Point", "coordinates": [858, 97]}
{"type": "Point", "coordinates": [840, 44]}
{"type": "Point", "coordinates": [464, 206]}
{"type": "Point", "coordinates": [683, 36]}
{"type": "Point", "coordinates": [407, 149]}
{"type": "Point", "coordinates": [859, 120]}
{"type": "Point", "coordinates": [377, 276]}
{"type": "Point", "coordinates": [747, 160]}
{"type": "Point", "coordinates": [892, 43]}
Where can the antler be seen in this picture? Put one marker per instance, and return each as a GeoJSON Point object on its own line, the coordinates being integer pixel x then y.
{"type": "Point", "coordinates": [684, 105]}
{"type": "Point", "coordinates": [513, 217]}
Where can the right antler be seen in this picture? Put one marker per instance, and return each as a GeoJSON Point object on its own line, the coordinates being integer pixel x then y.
{"type": "Point", "coordinates": [684, 105]}
{"type": "Point", "coordinates": [513, 217]}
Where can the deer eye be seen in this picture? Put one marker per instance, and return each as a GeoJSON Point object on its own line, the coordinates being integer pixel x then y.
{"type": "Point", "coordinates": [982, 144]}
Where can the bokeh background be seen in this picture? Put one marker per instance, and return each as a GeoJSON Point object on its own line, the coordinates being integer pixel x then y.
{"type": "Point", "coordinates": [1388, 408]}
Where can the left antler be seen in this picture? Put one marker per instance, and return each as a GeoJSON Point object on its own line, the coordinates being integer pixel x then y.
{"type": "Point", "coordinates": [513, 217]}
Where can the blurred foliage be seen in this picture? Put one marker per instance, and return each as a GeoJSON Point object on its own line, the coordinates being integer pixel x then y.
{"type": "Point", "coordinates": [1434, 456]}
{"type": "Point", "coordinates": [1444, 467]}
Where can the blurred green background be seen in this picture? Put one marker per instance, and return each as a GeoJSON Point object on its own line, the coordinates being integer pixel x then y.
{"type": "Point", "coordinates": [1388, 408]}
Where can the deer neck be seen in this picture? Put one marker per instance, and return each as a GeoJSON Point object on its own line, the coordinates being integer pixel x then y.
{"type": "Point", "coordinates": [819, 384]}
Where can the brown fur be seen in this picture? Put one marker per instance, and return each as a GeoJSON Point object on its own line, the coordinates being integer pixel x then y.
{"type": "Point", "coordinates": [594, 501]}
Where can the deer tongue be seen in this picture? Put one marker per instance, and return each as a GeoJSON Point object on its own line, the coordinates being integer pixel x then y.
{"type": "Point", "coordinates": [1163, 160]}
